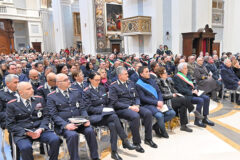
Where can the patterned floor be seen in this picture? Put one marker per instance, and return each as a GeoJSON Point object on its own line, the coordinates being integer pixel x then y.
{"type": "Point", "coordinates": [219, 142]}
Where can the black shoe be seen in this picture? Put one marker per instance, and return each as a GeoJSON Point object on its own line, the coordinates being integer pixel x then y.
{"type": "Point", "coordinates": [139, 148]}
{"type": "Point", "coordinates": [208, 122]}
{"type": "Point", "coordinates": [198, 115]}
{"type": "Point", "coordinates": [215, 100]}
{"type": "Point", "coordinates": [185, 128]}
{"type": "Point", "coordinates": [128, 145]}
{"type": "Point", "coordinates": [116, 156]}
{"type": "Point", "coordinates": [150, 143]}
{"type": "Point", "coordinates": [199, 123]}
{"type": "Point", "coordinates": [164, 134]}
{"type": "Point", "coordinates": [156, 129]}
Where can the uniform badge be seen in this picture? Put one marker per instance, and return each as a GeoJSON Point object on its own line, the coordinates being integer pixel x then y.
{"type": "Point", "coordinates": [39, 114]}
{"type": "Point", "coordinates": [77, 105]}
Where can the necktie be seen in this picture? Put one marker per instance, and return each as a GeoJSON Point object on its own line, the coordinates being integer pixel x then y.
{"type": "Point", "coordinates": [28, 105]}
{"type": "Point", "coordinates": [14, 93]}
{"type": "Point", "coordinates": [66, 95]}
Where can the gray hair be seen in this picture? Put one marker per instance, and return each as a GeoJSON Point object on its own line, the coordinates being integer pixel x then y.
{"type": "Point", "coordinates": [181, 65]}
{"type": "Point", "coordinates": [225, 61]}
{"type": "Point", "coordinates": [120, 69]}
{"type": "Point", "coordinates": [10, 77]}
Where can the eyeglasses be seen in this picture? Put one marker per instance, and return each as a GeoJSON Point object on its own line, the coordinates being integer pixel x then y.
{"type": "Point", "coordinates": [65, 80]}
{"type": "Point", "coordinates": [52, 80]}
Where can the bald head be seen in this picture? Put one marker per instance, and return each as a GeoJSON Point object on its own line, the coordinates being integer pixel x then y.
{"type": "Point", "coordinates": [51, 79]}
{"type": "Point", "coordinates": [25, 90]}
{"type": "Point", "coordinates": [33, 74]}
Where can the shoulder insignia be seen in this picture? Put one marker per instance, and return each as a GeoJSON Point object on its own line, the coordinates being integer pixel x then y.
{"type": "Point", "coordinates": [73, 89]}
{"type": "Point", "coordinates": [37, 96]}
{"type": "Point", "coordinates": [51, 93]}
{"type": "Point", "coordinates": [86, 88]}
{"type": "Point", "coordinates": [113, 82]}
{"type": "Point", "coordinates": [40, 87]}
{"type": "Point", "coordinates": [13, 100]}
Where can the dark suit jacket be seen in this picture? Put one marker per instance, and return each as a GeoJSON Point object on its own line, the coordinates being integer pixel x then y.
{"type": "Point", "coordinates": [147, 98]}
{"type": "Point", "coordinates": [230, 80]}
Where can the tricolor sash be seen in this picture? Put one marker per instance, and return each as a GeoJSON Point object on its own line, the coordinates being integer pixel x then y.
{"type": "Point", "coordinates": [185, 79]}
{"type": "Point", "coordinates": [111, 62]}
{"type": "Point", "coordinates": [148, 87]}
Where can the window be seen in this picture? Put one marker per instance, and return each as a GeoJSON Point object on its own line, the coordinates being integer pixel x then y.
{"type": "Point", "coordinates": [77, 25]}
{"type": "Point", "coordinates": [35, 28]}
{"type": "Point", "coordinates": [2, 25]}
{"type": "Point", "coordinates": [217, 13]}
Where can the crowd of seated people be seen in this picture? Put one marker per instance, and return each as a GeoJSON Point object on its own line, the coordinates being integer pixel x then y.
{"type": "Point", "coordinates": [38, 89]}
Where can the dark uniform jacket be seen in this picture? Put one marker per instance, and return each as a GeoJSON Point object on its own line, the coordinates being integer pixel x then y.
{"type": "Point", "coordinates": [43, 90]}
{"type": "Point", "coordinates": [19, 118]}
{"type": "Point", "coordinates": [60, 108]}
{"type": "Point", "coordinates": [5, 97]}
{"type": "Point", "coordinates": [80, 89]}
{"type": "Point", "coordinates": [95, 101]}
{"type": "Point", "coordinates": [121, 97]}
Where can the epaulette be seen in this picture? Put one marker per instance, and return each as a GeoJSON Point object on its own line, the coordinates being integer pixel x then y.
{"type": "Point", "coordinates": [113, 82]}
{"type": "Point", "coordinates": [51, 93]}
{"type": "Point", "coordinates": [37, 96]}
{"type": "Point", "coordinates": [73, 89]}
{"type": "Point", "coordinates": [13, 100]}
{"type": "Point", "coordinates": [40, 87]}
{"type": "Point", "coordinates": [86, 88]}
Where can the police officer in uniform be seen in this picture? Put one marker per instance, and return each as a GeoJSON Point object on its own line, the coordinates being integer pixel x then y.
{"type": "Point", "coordinates": [79, 82]}
{"type": "Point", "coordinates": [48, 86]}
{"type": "Point", "coordinates": [96, 100]}
{"type": "Point", "coordinates": [28, 120]}
{"type": "Point", "coordinates": [7, 94]}
{"type": "Point", "coordinates": [65, 103]}
{"type": "Point", "coordinates": [124, 98]}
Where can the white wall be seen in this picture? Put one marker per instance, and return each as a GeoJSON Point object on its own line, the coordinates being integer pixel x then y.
{"type": "Point", "coordinates": [153, 9]}
{"type": "Point", "coordinates": [20, 34]}
{"type": "Point", "coordinates": [202, 13]}
{"type": "Point", "coordinates": [181, 22]}
{"type": "Point", "coordinates": [231, 32]}
{"type": "Point", "coordinates": [35, 36]}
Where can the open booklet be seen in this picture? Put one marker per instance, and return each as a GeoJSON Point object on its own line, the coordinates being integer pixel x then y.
{"type": "Point", "coordinates": [200, 92]}
{"type": "Point", "coordinates": [164, 108]}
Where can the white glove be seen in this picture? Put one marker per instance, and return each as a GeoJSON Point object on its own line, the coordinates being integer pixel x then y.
{"type": "Point", "coordinates": [107, 109]}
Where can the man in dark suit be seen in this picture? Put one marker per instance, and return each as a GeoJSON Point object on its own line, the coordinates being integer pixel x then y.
{"type": "Point", "coordinates": [65, 103]}
{"type": "Point", "coordinates": [135, 76]}
{"type": "Point", "coordinates": [28, 120]}
{"type": "Point", "coordinates": [230, 80]}
{"type": "Point", "coordinates": [22, 76]}
{"type": "Point", "coordinates": [125, 100]}
{"type": "Point", "coordinates": [48, 86]}
{"type": "Point", "coordinates": [151, 98]}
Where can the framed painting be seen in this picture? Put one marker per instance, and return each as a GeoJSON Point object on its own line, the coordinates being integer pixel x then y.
{"type": "Point", "coordinates": [113, 14]}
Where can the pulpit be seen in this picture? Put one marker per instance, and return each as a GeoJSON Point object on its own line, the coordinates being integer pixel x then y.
{"type": "Point", "coordinates": [195, 42]}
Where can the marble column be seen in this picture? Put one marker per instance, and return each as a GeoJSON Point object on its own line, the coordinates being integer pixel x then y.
{"type": "Point", "coordinates": [88, 32]}
{"type": "Point", "coordinates": [63, 24]}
